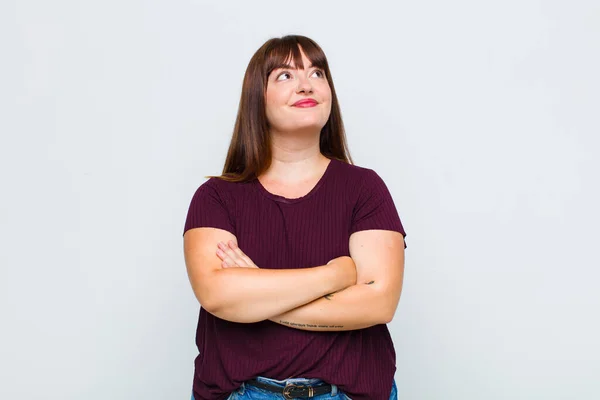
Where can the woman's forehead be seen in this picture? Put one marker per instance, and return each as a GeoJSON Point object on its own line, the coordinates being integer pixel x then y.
{"type": "Point", "coordinates": [292, 65]}
{"type": "Point", "coordinates": [291, 61]}
{"type": "Point", "coordinates": [294, 58]}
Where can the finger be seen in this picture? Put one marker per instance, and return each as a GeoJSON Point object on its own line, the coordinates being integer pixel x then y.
{"type": "Point", "coordinates": [222, 255]}
{"type": "Point", "coordinates": [239, 261]}
{"type": "Point", "coordinates": [234, 258]}
{"type": "Point", "coordinates": [225, 258]}
{"type": "Point", "coordinates": [238, 254]}
{"type": "Point", "coordinates": [227, 251]}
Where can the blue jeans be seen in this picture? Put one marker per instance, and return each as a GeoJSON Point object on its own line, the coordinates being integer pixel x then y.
{"type": "Point", "coordinates": [249, 392]}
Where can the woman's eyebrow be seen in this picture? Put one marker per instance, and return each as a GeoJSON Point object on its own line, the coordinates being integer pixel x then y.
{"type": "Point", "coordinates": [288, 66]}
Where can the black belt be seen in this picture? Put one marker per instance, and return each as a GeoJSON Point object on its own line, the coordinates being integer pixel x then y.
{"type": "Point", "coordinates": [293, 391]}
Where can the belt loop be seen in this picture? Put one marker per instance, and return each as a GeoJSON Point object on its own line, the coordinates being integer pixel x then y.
{"type": "Point", "coordinates": [334, 390]}
{"type": "Point", "coordinates": [242, 389]}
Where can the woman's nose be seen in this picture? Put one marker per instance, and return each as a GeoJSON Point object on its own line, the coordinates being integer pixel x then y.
{"type": "Point", "coordinates": [304, 86]}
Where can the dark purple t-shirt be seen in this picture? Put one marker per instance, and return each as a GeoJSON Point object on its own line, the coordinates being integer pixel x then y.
{"type": "Point", "coordinates": [280, 233]}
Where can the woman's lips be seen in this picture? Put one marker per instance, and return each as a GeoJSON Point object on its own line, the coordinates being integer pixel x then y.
{"type": "Point", "coordinates": [305, 103]}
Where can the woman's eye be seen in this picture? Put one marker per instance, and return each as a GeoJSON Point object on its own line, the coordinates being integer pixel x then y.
{"type": "Point", "coordinates": [320, 73]}
{"type": "Point", "coordinates": [283, 74]}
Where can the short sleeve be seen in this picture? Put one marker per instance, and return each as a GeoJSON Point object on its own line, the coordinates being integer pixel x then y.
{"type": "Point", "coordinates": [374, 207]}
{"type": "Point", "coordinates": [208, 209]}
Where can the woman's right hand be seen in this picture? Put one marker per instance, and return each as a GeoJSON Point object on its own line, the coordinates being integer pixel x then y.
{"type": "Point", "coordinates": [346, 268]}
{"type": "Point", "coordinates": [233, 256]}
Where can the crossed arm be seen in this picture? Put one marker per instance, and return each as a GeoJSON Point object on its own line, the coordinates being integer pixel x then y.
{"type": "Point", "coordinates": [348, 293]}
{"type": "Point", "coordinates": [379, 259]}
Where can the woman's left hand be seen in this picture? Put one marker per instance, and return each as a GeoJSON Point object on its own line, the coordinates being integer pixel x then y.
{"type": "Point", "coordinates": [233, 256]}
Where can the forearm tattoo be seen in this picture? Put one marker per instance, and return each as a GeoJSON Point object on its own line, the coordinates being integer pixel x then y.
{"type": "Point", "coordinates": [293, 324]}
{"type": "Point", "coordinates": [328, 297]}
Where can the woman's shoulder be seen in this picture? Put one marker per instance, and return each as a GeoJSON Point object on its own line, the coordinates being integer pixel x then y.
{"type": "Point", "coordinates": [356, 172]}
{"type": "Point", "coordinates": [225, 186]}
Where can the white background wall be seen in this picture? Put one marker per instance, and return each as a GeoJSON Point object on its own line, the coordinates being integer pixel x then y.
{"type": "Point", "coordinates": [482, 118]}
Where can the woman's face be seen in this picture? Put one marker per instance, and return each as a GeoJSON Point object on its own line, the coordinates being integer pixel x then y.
{"type": "Point", "coordinates": [286, 86]}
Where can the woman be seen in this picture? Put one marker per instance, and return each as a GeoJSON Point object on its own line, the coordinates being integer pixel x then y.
{"type": "Point", "coordinates": [295, 254]}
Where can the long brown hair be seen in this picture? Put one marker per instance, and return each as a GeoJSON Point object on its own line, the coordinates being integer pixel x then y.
{"type": "Point", "coordinates": [249, 153]}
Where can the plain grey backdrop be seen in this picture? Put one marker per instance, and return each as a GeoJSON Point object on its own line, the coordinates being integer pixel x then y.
{"type": "Point", "coordinates": [481, 117]}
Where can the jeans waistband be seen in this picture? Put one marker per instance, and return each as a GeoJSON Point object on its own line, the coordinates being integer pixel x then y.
{"type": "Point", "coordinates": [297, 381]}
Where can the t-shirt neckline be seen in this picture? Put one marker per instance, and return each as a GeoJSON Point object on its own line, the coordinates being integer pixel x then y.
{"type": "Point", "coordinates": [286, 200]}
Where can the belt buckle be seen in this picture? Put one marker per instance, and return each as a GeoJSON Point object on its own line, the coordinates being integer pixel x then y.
{"type": "Point", "coordinates": [288, 389]}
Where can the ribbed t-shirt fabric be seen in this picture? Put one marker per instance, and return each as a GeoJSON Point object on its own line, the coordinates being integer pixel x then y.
{"type": "Point", "coordinates": [281, 233]}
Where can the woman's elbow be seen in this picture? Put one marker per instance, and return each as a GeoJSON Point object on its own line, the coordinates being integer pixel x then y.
{"type": "Point", "coordinates": [233, 314]}
{"type": "Point", "coordinates": [206, 289]}
{"type": "Point", "coordinates": [212, 303]}
{"type": "Point", "coordinates": [224, 308]}
{"type": "Point", "coordinates": [388, 307]}
{"type": "Point", "coordinates": [387, 315]}
{"type": "Point", "coordinates": [209, 305]}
